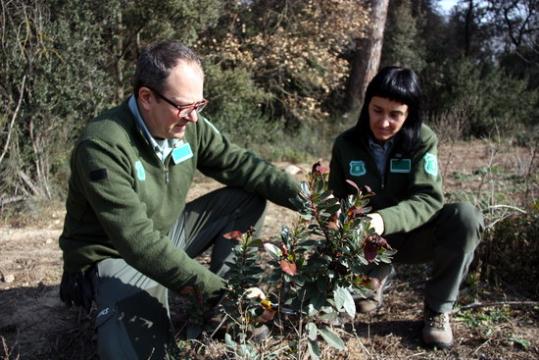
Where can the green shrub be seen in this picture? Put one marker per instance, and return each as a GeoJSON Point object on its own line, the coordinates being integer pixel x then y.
{"type": "Point", "coordinates": [486, 99]}
{"type": "Point", "coordinates": [510, 251]}
{"type": "Point", "coordinates": [235, 106]}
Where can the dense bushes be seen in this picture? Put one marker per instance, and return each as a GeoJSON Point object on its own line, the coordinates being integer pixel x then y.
{"type": "Point", "coordinates": [487, 99]}
{"type": "Point", "coordinates": [511, 248]}
{"type": "Point", "coordinates": [275, 74]}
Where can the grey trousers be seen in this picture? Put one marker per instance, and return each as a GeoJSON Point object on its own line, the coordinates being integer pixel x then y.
{"type": "Point", "coordinates": [133, 318]}
{"type": "Point", "coordinates": [448, 243]}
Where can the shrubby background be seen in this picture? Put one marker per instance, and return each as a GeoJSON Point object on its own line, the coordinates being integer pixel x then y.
{"type": "Point", "coordinates": [279, 74]}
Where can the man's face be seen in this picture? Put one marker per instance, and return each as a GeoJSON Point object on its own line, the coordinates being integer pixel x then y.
{"type": "Point", "coordinates": [184, 86]}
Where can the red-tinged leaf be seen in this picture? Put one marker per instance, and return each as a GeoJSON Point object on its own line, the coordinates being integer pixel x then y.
{"type": "Point", "coordinates": [372, 245]}
{"type": "Point", "coordinates": [233, 235]}
{"type": "Point", "coordinates": [284, 249]}
{"type": "Point", "coordinates": [288, 267]}
{"type": "Point", "coordinates": [353, 184]}
{"type": "Point", "coordinates": [355, 211]}
{"type": "Point", "coordinates": [266, 316]}
{"type": "Point", "coordinates": [333, 223]}
{"type": "Point", "coordinates": [319, 169]}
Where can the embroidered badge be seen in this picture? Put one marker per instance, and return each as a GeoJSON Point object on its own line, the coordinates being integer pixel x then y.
{"type": "Point", "coordinates": [182, 153]}
{"type": "Point", "coordinates": [431, 164]}
{"type": "Point", "coordinates": [357, 168]}
{"type": "Point", "coordinates": [141, 174]}
{"type": "Point", "coordinates": [400, 166]}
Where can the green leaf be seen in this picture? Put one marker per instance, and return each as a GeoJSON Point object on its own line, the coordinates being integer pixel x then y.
{"type": "Point", "coordinates": [331, 338]}
{"type": "Point", "coordinates": [229, 342]}
{"type": "Point", "coordinates": [343, 299]}
{"type": "Point", "coordinates": [314, 350]}
{"type": "Point", "coordinates": [311, 331]}
{"type": "Point", "coordinates": [329, 317]}
{"type": "Point", "coordinates": [525, 344]}
{"type": "Point", "coordinates": [273, 250]}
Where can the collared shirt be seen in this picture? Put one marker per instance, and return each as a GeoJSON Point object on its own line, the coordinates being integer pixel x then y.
{"type": "Point", "coordinates": [162, 147]}
{"type": "Point", "coordinates": [380, 153]}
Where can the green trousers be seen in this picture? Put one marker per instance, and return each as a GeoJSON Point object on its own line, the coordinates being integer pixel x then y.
{"type": "Point", "coordinates": [448, 243]}
{"type": "Point", "coordinates": [133, 318]}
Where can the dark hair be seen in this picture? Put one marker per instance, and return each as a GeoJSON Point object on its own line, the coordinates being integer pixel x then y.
{"type": "Point", "coordinates": [397, 84]}
{"type": "Point", "coordinates": [156, 61]}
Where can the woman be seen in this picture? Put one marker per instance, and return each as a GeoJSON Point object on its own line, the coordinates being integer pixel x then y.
{"type": "Point", "coordinates": [395, 154]}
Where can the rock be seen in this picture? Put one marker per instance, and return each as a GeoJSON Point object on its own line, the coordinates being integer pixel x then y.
{"type": "Point", "coordinates": [292, 169]}
{"type": "Point", "coordinates": [9, 278]}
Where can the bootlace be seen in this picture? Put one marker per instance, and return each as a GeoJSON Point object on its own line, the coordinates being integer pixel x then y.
{"type": "Point", "coordinates": [437, 320]}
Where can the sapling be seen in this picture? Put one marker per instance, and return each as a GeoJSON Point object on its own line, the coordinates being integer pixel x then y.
{"type": "Point", "coordinates": [316, 270]}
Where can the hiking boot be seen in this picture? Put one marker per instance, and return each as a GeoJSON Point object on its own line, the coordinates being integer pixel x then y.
{"type": "Point", "coordinates": [384, 273]}
{"type": "Point", "coordinates": [437, 330]}
{"type": "Point", "coordinates": [260, 334]}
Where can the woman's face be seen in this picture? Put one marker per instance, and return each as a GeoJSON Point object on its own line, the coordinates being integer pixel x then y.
{"type": "Point", "coordinates": [386, 117]}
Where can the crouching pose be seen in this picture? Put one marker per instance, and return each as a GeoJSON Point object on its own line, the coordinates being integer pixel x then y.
{"type": "Point", "coordinates": [129, 235]}
{"type": "Point", "coordinates": [391, 151]}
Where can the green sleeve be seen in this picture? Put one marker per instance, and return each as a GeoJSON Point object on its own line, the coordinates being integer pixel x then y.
{"type": "Point", "coordinates": [425, 191]}
{"type": "Point", "coordinates": [123, 218]}
{"type": "Point", "coordinates": [235, 166]}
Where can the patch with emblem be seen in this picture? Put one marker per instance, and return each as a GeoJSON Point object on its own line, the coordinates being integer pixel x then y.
{"type": "Point", "coordinates": [139, 169]}
{"type": "Point", "coordinates": [182, 153]}
{"type": "Point", "coordinates": [431, 164]}
{"type": "Point", "coordinates": [357, 168]}
{"type": "Point", "coordinates": [402, 166]}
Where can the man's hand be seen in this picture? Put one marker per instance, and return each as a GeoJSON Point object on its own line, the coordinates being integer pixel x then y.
{"type": "Point", "coordinates": [377, 223]}
{"type": "Point", "coordinates": [77, 289]}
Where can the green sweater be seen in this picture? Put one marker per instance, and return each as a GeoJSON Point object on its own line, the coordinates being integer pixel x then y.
{"type": "Point", "coordinates": [123, 200]}
{"type": "Point", "coordinates": [411, 191]}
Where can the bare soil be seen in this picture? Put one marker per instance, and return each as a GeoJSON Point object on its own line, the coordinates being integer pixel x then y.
{"type": "Point", "coordinates": [35, 324]}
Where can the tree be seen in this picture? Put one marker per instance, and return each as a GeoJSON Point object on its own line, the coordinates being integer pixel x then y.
{"type": "Point", "coordinates": [287, 48]}
{"type": "Point", "coordinates": [366, 59]}
{"type": "Point", "coordinates": [402, 44]}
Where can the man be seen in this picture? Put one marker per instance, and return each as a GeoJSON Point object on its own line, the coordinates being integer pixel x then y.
{"type": "Point", "coordinates": [128, 235]}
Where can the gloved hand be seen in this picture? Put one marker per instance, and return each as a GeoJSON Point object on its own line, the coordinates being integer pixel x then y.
{"type": "Point", "coordinates": [77, 288]}
{"type": "Point", "coordinates": [377, 223]}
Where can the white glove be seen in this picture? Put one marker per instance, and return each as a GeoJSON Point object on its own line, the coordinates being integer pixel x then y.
{"type": "Point", "coordinates": [377, 223]}
{"type": "Point", "coordinates": [254, 293]}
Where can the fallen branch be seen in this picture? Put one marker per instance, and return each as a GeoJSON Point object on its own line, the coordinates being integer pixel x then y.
{"type": "Point", "coordinates": [9, 200]}
{"type": "Point", "coordinates": [502, 206]}
{"type": "Point", "coordinates": [15, 113]}
{"type": "Point", "coordinates": [495, 303]}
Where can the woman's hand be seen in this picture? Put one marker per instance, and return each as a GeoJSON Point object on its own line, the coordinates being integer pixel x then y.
{"type": "Point", "coordinates": [377, 223]}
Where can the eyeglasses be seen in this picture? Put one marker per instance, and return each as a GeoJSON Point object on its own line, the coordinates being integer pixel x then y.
{"type": "Point", "coordinates": [183, 110]}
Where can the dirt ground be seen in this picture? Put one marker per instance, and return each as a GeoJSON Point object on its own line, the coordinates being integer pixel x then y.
{"type": "Point", "coordinates": [34, 324]}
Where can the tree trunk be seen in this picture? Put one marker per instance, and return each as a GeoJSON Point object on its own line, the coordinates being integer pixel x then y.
{"type": "Point", "coordinates": [367, 56]}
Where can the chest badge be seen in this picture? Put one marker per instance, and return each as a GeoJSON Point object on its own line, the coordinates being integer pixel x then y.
{"type": "Point", "coordinates": [139, 169]}
{"type": "Point", "coordinates": [357, 168]}
{"type": "Point", "coordinates": [182, 153]}
{"type": "Point", "coordinates": [402, 166]}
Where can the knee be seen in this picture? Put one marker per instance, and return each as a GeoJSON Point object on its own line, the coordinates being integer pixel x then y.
{"type": "Point", "coordinates": [467, 221]}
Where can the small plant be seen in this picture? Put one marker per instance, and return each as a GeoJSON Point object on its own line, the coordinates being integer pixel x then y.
{"type": "Point", "coordinates": [316, 270]}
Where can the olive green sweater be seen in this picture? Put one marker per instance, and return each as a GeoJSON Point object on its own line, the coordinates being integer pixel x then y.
{"type": "Point", "coordinates": [411, 190]}
{"type": "Point", "coordinates": [123, 200]}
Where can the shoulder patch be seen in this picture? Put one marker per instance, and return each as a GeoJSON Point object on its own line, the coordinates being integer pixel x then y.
{"type": "Point", "coordinates": [99, 174]}
{"type": "Point", "coordinates": [139, 169]}
{"type": "Point", "coordinates": [357, 168]}
{"type": "Point", "coordinates": [431, 164]}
